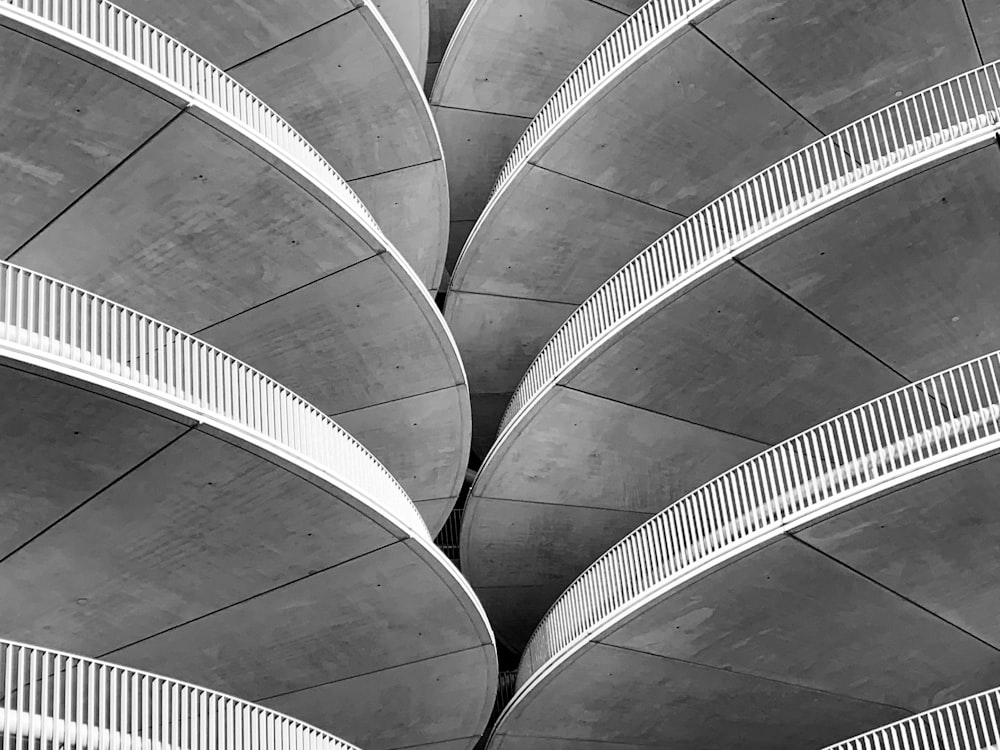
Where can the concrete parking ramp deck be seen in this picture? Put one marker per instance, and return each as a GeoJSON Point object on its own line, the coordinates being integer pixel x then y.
{"type": "Point", "coordinates": [684, 100]}
{"type": "Point", "coordinates": [836, 582]}
{"type": "Point", "coordinates": [337, 73]}
{"type": "Point", "coordinates": [505, 59]}
{"type": "Point", "coordinates": [861, 263]}
{"type": "Point", "coordinates": [134, 167]}
{"type": "Point", "coordinates": [170, 508]}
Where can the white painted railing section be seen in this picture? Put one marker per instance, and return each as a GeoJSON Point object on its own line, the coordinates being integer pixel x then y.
{"type": "Point", "coordinates": [911, 132]}
{"type": "Point", "coordinates": [52, 699]}
{"type": "Point", "coordinates": [967, 724]}
{"type": "Point", "coordinates": [42, 317]}
{"type": "Point", "coordinates": [120, 36]}
{"type": "Point", "coordinates": [925, 424]}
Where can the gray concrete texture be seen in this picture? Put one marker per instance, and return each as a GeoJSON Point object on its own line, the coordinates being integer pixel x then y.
{"type": "Point", "coordinates": [132, 533]}
{"type": "Point", "coordinates": [885, 289]}
{"type": "Point", "coordinates": [726, 97]}
{"type": "Point", "coordinates": [332, 70]}
{"type": "Point", "coordinates": [110, 187]}
{"type": "Point", "coordinates": [866, 615]}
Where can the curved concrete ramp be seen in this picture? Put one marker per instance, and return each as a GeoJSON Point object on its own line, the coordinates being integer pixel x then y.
{"type": "Point", "coordinates": [173, 509]}
{"type": "Point", "coordinates": [335, 71]}
{"type": "Point", "coordinates": [160, 181]}
{"type": "Point", "coordinates": [444, 18]}
{"type": "Point", "coordinates": [863, 262]}
{"type": "Point", "coordinates": [682, 101]}
{"type": "Point", "coordinates": [504, 60]}
{"type": "Point", "coordinates": [838, 581]}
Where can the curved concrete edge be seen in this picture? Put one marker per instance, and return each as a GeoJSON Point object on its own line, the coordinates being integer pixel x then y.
{"type": "Point", "coordinates": [625, 49]}
{"type": "Point", "coordinates": [68, 722]}
{"type": "Point", "coordinates": [948, 727]}
{"type": "Point", "coordinates": [796, 190]}
{"type": "Point", "coordinates": [414, 86]}
{"type": "Point", "coordinates": [458, 38]}
{"type": "Point", "coordinates": [418, 58]}
{"type": "Point", "coordinates": [908, 434]}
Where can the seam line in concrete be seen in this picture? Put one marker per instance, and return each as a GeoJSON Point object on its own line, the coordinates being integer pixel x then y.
{"type": "Point", "coordinates": [893, 592]}
{"type": "Point", "coordinates": [435, 743]}
{"type": "Point", "coordinates": [98, 183]}
{"type": "Point", "coordinates": [643, 513]}
{"type": "Point", "coordinates": [972, 30]}
{"type": "Point", "coordinates": [613, 743]}
{"type": "Point", "coordinates": [97, 494]}
{"type": "Point", "coordinates": [758, 677]}
{"type": "Point", "coordinates": [599, 4]}
{"type": "Point", "coordinates": [764, 443]}
{"type": "Point", "coordinates": [391, 171]}
{"type": "Point", "coordinates": [268, 301]}
{"type": "Point", "coordinates": [368, 674]}
{"type": "Point", "coordinates": [481, 111]}
{"type": "Point", "coordinates": [609, 190]}
{"type": "Point", "coordinates": [258, 595]}
{"type": "Point", "coordinates": [290, 39]}
{"type": "Point", "coordinates": [750, 73]}
{"type": "Point", "coordinates": [574, 305]}
{"type": "Point", "coordinates": [334, 415]}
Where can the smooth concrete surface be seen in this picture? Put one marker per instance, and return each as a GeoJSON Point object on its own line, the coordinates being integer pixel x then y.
{"type": "Point", "coordinates": [504, 61]}
{"type": "Point", "coordinates": [716, 102]}
{"type": "Point", "coordinates": [165, 211]}
{"type": "Point", "coordinates": [885, 608]}
{"type": "Point", "coordinates": [890, 287]}
{"type": "Point", "coordinates": [136, 534]}
{"type": "Point", "coordinates": [444, 17]}
{"type": "Point", "coordinates": [334, 71]}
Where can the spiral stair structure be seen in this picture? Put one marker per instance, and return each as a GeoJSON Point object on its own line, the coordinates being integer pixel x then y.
{"type": "Point", "coordinates": [53, 699]}
{"type": "Point", "coordinates": [682, 101]}
{"type": "Point", "coordinates": [860, 263]}
{"type": "Point", "coordinates": [138, 169]}
{"type": "Point", "coordinates": [173, 509]}
{"type": "Point", "coordinates": [505, 59]}
{"type": "Point", "coordinates": [838, 581]}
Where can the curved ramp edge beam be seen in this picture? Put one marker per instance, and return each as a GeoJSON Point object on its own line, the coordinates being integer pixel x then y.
{"type": "Point", "coordinates": [969, 722]}
{"type": "Point", "coordinates": [134, 709]}
{"type": "Point", "coordinates": [940, 421]}
{"type": "Point", "coordinates": [901, 138]}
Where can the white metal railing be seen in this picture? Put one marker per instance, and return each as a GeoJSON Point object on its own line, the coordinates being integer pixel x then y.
{"type": "Point", "coordinates": [952, 413]}
{"type": "Point", "coordinates": [926, 125]}
{"type": "Point", "coordinates": [967, 724]}
{"type": "Point", "coordinates": [122, 36]}
{"type": "Point", "coordinates": [59, 700]}
{"type": "Point", "coordinates": [42, 317]}
{"type": "Point", "coordinates": [643, 30]}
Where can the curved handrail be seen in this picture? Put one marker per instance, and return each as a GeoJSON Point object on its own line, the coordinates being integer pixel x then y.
{"type": "Point", "coordinates": [911, 430]}
{"type": "Point", "coordinates": [43, 317]}
{"type": "Point", "coordinates": [131, 40]}
{"type": "Point", "coordinates": [902, 136]}
{"type": "Point", "coordinates": [971, 723]}
{"type": "Point", "coordinates": [638, 33]}
{"type": "Point", "coordinates": [61, 700]}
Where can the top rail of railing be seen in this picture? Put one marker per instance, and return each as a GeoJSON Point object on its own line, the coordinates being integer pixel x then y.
{"type": "Point", "coordinates": [122, 36]}
{"type": "Point", "coordinates": [639, 32]}
{"type": "Point", "coordinates": [966, 724]}
{"type": "Point", "coordinates": [60, 700]}
{"type": "Point", "coordinates": [924, 424]}
{"type": "Point", "coordinates": [60, 323]}
{"type": "Point", "coordinates": [903, 135]}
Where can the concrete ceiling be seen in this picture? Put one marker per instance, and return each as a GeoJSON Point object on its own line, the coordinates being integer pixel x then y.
{"type": "Point", "coordinates": [504, 61]}
{"type": "Point", "coordinates": [333, 70]}
{"type": "Point", "coordinates": [864, 616]}
{"type": "Point", "coordinates": [880, 291]}
{"type": "Point", "coordinates": [716, 102]}
{"type": "Point", "coordinates": [108, 186]}
{"type": "Point", "coordinates": [133, 533]}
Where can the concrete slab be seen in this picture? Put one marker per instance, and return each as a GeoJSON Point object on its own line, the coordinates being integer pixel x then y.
{"type": "Point", "coordinates": [519, 607]}
{"type": "Point", "coordinates": [836, 64]}
{"type": "Point", "coordinates": [556, 239]}
{"type": "Point", "coordinates": [789, 613]}
{"type": "Point", "coordinates": [406, 716]}
{"type": "Point", "coordinates": [793, 371]}
{"type": "Point", "coordinates": [934, 542]}
{"type": "Point", "coordinates": [92, 439]}
{"type": "Point", "coordinates": [444, 17]}
{"type": "Point", "coordinates": [48, 162]}
{"type": "Point", "coordinates": [985, 18]}
{"type": "Point", "coordinates": [907, 272]}
{"type": "Point", "coordinates": [489, 409]}
{"type": "Point", "coordinates": [409, 21]}
{"type": "Point", "coordinates": [616, 696]}
{"type": "Point", "coordinates": [680, 130]}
